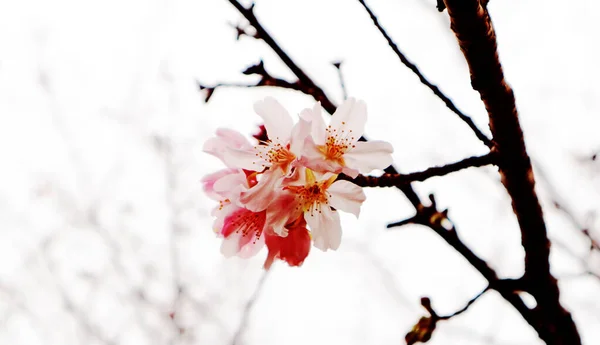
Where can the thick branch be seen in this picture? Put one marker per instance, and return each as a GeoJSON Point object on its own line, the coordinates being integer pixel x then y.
{"type": "Point", "coordinates": [397, 180]}
{"type": "Point", "coordinates": [508, 289]}
{"type": "Point", "coordinates": [447, 101]}
{"type": "Point", "coordinates": [476, 37]}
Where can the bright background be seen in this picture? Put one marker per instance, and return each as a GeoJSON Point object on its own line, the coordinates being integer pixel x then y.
{"type": "Point", "coordinates": [105, 234]}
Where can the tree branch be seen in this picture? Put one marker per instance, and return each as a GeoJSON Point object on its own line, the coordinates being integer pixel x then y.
{"type": "Point", "coordinates": [265, 80]}
{"type": "Point", "coordinates": [426, 303]}
{"type": "Point", "coordinates": [338, 66]}
{"type": "Point", "coordinates": [397, 180]}
{"type": "Point", "coordinates": [473, 28]}
{"type": "Point", "coordinates": [262, 34]}
{"type": "Point", "coordinates": [447, 101]}
{"type": "Point", "coordinates": [426, 215]}
{"type": "Point", "coordinates": [309, 85]}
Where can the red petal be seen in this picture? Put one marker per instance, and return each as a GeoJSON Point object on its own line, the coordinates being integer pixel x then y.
{"type": "Point", "coordinates": [292, 249]}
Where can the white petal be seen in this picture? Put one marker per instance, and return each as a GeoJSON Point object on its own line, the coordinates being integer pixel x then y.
{"type": "Point", "coordinates": [326, 228]}
{"type": "Point", "coordinates": [244, 159]}
{"type": "Point", "coordinates": [209, 181]}
{"type": "Point", "coordinates": [349, 119]}
{"type": "Point", "coordinates": [233, 138]}
{"type": "Point", "coordinates": [230, 245]}
{"type": "Point", "coordinates": [252, 248]}
{"type": "Point", "coordinates": [314, 159]}
{"type": "Point", "coordinates": [370, 155]}
{"type": "Point", "coordinates": [317, 124]}
{"type": "Point", "coordinates": [300, 132]}
{"type": "Point", "coordinates": [350, 172]}
{"type": "Point", "coordinates": [346, 196]}
{"type": "Point", "coordinates": [278, 122]}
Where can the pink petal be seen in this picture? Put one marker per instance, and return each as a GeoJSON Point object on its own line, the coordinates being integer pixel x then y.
{"type": "Point", "coordinates": [208, 182]}
{"type": "Point", "coordinates": [258, 197]}
{"type": "Point", "coordinates": [239, 245]}
{"type": "Point", "coordinates": [325, 227]}
{"type": "Point", "coordinates": [281, 211]}
{"type": "Point", "coordinates": [370, 155]}
{"type": "Point", "coordinates": [243, 232]}
{"type": "Point", "coordinates": [251, 247]}
{"type": "Point", "coordinates": [346, 196]}
{"type": "Point", "coordinates": [231, 185]}
{"type": "Point", "coordinates": [350, 117]}
{"type": "Point", "coordinates": [277, 120]}
{"type": "Point", "coordinates": [316, 123]}
{"type": "Point", "coordinates": [221, 212]}
{"type": "Point", "coordinates": [225, 139]}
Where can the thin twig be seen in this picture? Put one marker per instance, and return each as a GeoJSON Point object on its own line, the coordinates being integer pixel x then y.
{"type": "Point", "coordinates": [338, 66]}
{"type": "Point", "coordinates": [463, 309]}
{"type": "Point", "coordinates": [560, 205]}
{"type": "Point", "coordinates": [248, 308]}
{"type": "Point", "coordinates": [262, 33]}
{"type": "Point", "coordinates": [396, 180]}
{"type": "Point", "coordinates": [447, 101]}
{"type": "Point", "coordinates": [265, 80]}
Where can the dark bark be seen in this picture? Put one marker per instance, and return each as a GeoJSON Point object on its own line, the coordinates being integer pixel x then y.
{"type": "Point", "coordinates": [396, 180]}
{"type": "Point", "coordinates": [473, 28]}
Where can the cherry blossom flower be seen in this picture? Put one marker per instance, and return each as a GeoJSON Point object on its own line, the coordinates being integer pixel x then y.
{"type": "Point", "coordinates": [284, 144]}
{"type": "Point", "coordinates": [240, 228]}
{"type": "Point", "coordinates": [245, 232]}
{"type": "Point", "coordinates": [314, 198]}
{"type": "Point", "coordinates": [276, 157]}
{"type": "Point", "coordinates": [335, 148]}
{"type": "Point", "coordinates": [283, 192]}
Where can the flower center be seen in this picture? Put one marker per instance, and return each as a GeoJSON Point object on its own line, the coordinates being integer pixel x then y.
{"type": "Point", "coordinates": [276, 154]}
{"type": "Point", "coordinates": [337, 143]}
{"type": "Point", "coordinates": [310, 198]}
{"type": "Point", "coordinates": [246, 222]}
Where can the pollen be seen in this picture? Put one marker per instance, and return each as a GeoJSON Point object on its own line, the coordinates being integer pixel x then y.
{"type": "Point", "coordinates": [313, 196]}
{"type": "Point", "coordinates": [223, 203]}
{"type": "Point", "coordinates": [337, 143]}
{"type": "Point", "coordinates": [249, 224]}
{"type": "Point", "coordinates": [275, 154]}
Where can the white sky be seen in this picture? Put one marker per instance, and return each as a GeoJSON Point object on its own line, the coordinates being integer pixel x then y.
{"type": "Point", "coordinates": [101, 129]}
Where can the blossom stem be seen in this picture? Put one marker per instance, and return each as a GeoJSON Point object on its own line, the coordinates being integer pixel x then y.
{"type": "Point", "coordinates": [397, 180]}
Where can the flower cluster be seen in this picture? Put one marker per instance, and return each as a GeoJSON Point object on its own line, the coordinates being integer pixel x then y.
{"type": "Point", "coordinates": [273, 192]}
